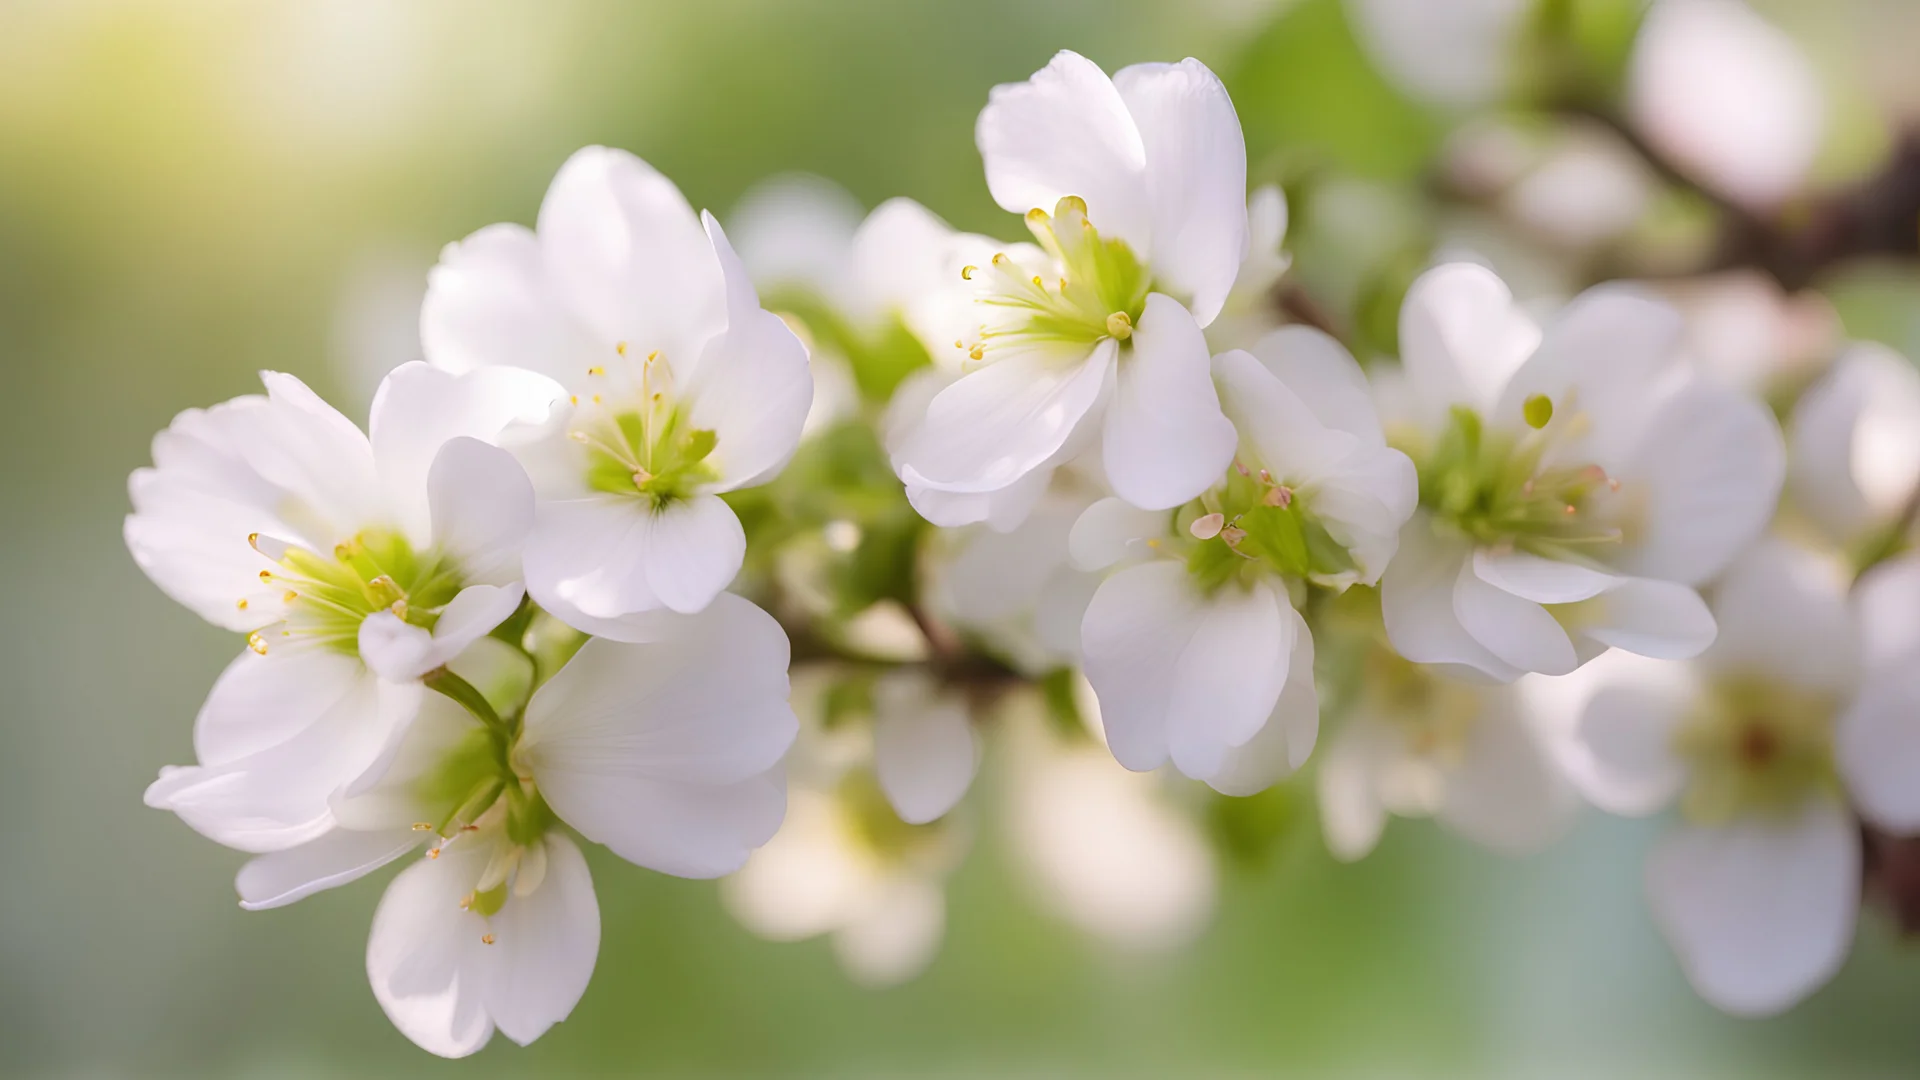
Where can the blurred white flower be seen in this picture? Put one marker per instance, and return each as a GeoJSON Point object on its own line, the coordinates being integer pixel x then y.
{"type": "Point", "coordinates": [1250, 312]}
{"type": "Point", "coordinates": [1728, 96]}
{"type": "Point", "coordinates": [1854, 457]}
{"type": "Point", "coordinates": [1743, 330]}
{"type": "Point", "coordinates": [1457, 53]}
{"type": "Point", "coordinates": [1018, 591]}
{"type": "Point", "coordinates": [683, 387]}
{"type": "Point", "coordinates": [1106, 849]}
{"type": "Point", "coordinates": [861, 856]}
{"type": "Point", "coordinates": [1097, 333]}
{"type": "Point", "coordinates": [1197, 653]}
{"type": "Point", "coordinates": [1588, 188]}
{"type": "Point", "coordinates": [1418, 744]}
{"type": "Point", "coordinates": [1574, 485]}
{"type": "Point", "coordinates": [355, 564]}
{"type": "Point", "coordinates": [1799, 705]}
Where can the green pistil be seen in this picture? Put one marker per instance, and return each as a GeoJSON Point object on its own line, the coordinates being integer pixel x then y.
{"type": "Point", "coordinates": [376, 571]}
{"type": "Point", "coordinates": [1263, 528]}
{"type": "Point", "coordinates": [1755, 747]}
{"type": "Point", "coordinates": [653, 455]}
{"type": "Point", "coordinates": [1101, 290]}
{"type": "Point", "coordinates": [1495, 489]}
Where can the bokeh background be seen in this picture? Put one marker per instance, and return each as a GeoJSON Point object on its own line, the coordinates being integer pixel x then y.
{"type": "Point", "coordinates": [192, 191]}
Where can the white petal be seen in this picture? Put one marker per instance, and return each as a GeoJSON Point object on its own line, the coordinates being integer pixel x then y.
{"type": "Point", "coordinates": [419, 954]}
{"type": "Point", "coordinates": [1111, 530]}
{"type": "Point", "coordinates": [1652, 618]}
{"type": "Point", "coordinates": [1600, 356]}
{"type": "Point", "coordinates": [1887, 606]}
{"type": "Point", "coordinates": [994, 577]}
{"type": "Point", "coordinates": [482, 509]}
{"type": "Point", "coordinates": [278, 796]}
{"type": "Point", "coordinates": [335, 858]}
{"type": "Point", "coordinates": [1626, 762]}
{"type": "Point", "coordinates": [1282, 745]}
{"type": "Point", "coordinates": [895, 935]}
{"type": "Point", "coordinates": [661, 751]}
{"type": "Point", "coordinates": [608, 557]}
{"type": "Point", "coordinates": [1877, 746]}
{"type": "Point", "coordinates": [1165, 439]}
{"type": "Point", "coordinates": [629, 254]}
{"type": "Point", "coordinates": [1351, 814]}
{"type": "Point", "coordinates": [695, 548]}
{"type": "Point", "coordinates": [1325, 376]}
{"type": "Point", "coordinates": [992, 427]}
{"type": "Point", "coordinates": [1196, 173]}
{"type": "Point", "coordinates": [1281, 430]}
{"type": "Point", "coordinates": [261, 701]}
{"type": "Point", "coordinates": [1518, 631]}
{"type": "Point", "coordinates": [1179, 674]}
{"type": "Point", "coordinates": [1507, 792]}
{"type": "Point", "coordinates": [1543, 581]}
{"type": "Point", "coordinates": [1705, 476]}
{"type": "Point", "coordinates": [1461, 53]}
{"type": "Point", "coordinates": [419, 409]}
{"type": "Point", "coordinates": [1001, 510]}
{"type": "Point", "coordinates": [1760, 912]}
{"type": "Point", "coordinates": [1066, 131]}
{"type": "Point", "coordinates": [1416, 603]}
{"type": "Point", "coordinates": [752, 386]}
{"type": "Point", "coordinates": [923, 752]}
{"type": "Point", "coordinates": [490, 303]}
{"type": "Point", "coordinates": [1783, 610]}
{"type": "Point", "coordinates": [1462, 337]}
{"type": "Point", "coordinates": [544, 946]}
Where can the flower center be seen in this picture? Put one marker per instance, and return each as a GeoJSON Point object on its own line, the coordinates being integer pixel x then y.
{"type": "Point", "coordinates": [635, 434]}
{"type": "Point", "coordinates": [328, 597]}
{"type": "Point", "coordinates": [1093, 288]}
{"type": "Point", "coordinates": [1503, 491]}
{"type": "Point", "coordinates": [1252, 524]}
{"type": "Point", "coordinates": [1754, 746]}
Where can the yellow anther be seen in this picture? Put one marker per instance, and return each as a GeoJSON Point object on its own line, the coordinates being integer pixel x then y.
{"type": "Point", "coordinates": [433, 853]}
{"type": "Point", "coordinates": [1038, 284]}
{"type": "Point", "coordinates": [1120, 326]}
{"type": "Point", "coordinates": [976, 353]}
{"type": "Point", "coordinates": [266, 575]}
{"type": "Point", "coordinates": [423, 826]}
{"type": "Point", "coordinates": [1000, 259]}
{"type": "Point", "coordinates": [958, 344]}
{"type": "Point", "coordinates": [257, 643]}
{"type": "Point", "coordinates": [241, 603]}
{"type": "Point", "coordinates": [596, 399]}
{"type": "Point", "coordinates": [652, 356]}
{"type": "Point", "coordinates": [486, 939]}
{"type": "Point", "coordinates": [253, 541]}
{"type": "Point", "coordinates": [343, 552]}
{"type": "Point", "coordinates": [596, 370]}
{"type": "Point", "coordinates": [967, 272]}
{"type": "Point", "coordinates": [1036, 215]}
{"type": "Point", "coordinates": [621, 348]}
{"type": "Point", "coordinates": [1074, 203]}
{"type": "Point", "coordinates": [575, 399]}
{"type": "Point", "coordinates": [289, 596]}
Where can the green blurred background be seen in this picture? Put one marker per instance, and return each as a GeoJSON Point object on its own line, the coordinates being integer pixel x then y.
{"type": "Point", "coordinates": [190, 192]}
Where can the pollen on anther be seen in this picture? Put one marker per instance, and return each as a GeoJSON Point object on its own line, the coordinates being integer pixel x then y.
{"type": "Point", "coordinates": [976, 353]}
{"type": "Point", "coordinates": [253, 541]}
{"type": "Point", "coordinates": [621, 348]}
{"type": "Point", "coordinates": [596, 399]}
{"type": "Point", "coordinates": [1000, 259]}
{"type": "Point", "coordinates": [266, 575]}
{"type": "Point", "coordinates": [289, 596]}
{"type": "Point", "coordinates": [575, 399]}
{"type": "Point", "coordinates": [257, 643]}
{"type": "Point", "coordinates": [596, 370]}
{"type": "Point", "coordinates": [486, 939]}
{"type": "Point", "coordinates": [967, 272]}
{"type": "Point", "coordinates": [652, 356]}
{"type": "Point", "coordinates": [433, 853]}
{"type": "Point", "coordinates": [241, 603]}
{"type": "Point", "coordinates": [1037, 283]}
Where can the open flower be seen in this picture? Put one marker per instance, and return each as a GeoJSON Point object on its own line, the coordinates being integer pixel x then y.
{"type": "Point", "coordinates": [666, 751]}
{"type": "Point", "coordinates": [1135, 189]}
{"type": "Point", "coordinates": [1799, 707]}
{"type": "Point", "coordinates": [354, 564]}
{"type": "Point", "coordinates": [1574, 485]}
{"type": "Point", "coordinates": [682, 387]}
{"type": "Point", "coordinates": [1197, 653]}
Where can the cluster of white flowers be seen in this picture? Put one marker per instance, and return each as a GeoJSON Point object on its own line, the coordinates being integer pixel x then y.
{"type": "Point", "coordinates": [1168, 524]}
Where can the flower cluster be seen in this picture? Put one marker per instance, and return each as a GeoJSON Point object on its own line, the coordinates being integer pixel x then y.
{"type": "Point", "coordinates": [1081, 501]}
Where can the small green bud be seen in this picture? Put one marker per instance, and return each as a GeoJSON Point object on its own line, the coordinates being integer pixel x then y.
{"type": "Point", "coordinates": [1538, 410]}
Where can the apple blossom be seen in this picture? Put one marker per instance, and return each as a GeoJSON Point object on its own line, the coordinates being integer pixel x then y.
{"type": "Point", "coordinates": [682, 387]}
{"type": "Point", "coordinates": [1574, 483]}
